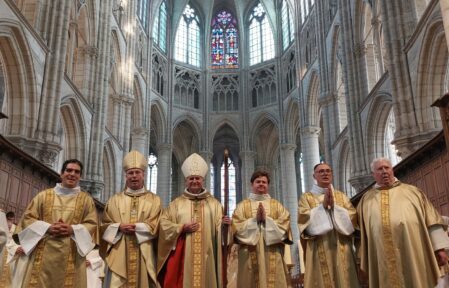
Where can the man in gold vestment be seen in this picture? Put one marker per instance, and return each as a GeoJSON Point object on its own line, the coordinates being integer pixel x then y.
{"type": "Point", "coordinates": [402, 236]}
{"type": "Point", "coordinates": [261, 227]}
{"type": "Point", "coordinates": [326, 220]}
{"type": "Point", "coordinates": [130, 228]}
{"type": "Point", "coordinates": [189, 249]}
{"type": "Point", "coordinates": [58, 229]}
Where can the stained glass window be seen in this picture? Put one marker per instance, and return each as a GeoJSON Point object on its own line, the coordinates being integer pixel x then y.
{"type": "Point", "coordinates": [224, 41]}
{"type": "Point", "coordinates": [187, 43]}
{"type": "Point", "coordinates": [160, 27]}
{"type": "Point", "coordinates": [261, 42]}
{"type": "Point", "coordinates": [288, 34]}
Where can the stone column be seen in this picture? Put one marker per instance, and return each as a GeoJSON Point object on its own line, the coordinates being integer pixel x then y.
{"type": "Point", "coordinates": [310, 153]}
{"type": "Point", "coordinates": [49, 111]}
{"type": "Point", "coordinates": [99, 97]}
{"type": "Point", "coordinates": [139, 140]}
{"type": "Point", "coordinates": [164, 153]}
{"type": "Point", "coordinates": [247, 170]}
{"type": "Point", "coordinates": [444, 4]}
{"type": "Point", "coordinates": [289, 188]}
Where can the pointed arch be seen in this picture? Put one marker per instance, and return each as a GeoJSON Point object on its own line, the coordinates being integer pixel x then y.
{"type": "Point", "coordinates": [265, 140]}
{"type": "Point", "coordinates": [186, 137]}
{"type": "Point", "coordinates": [157, 123]}
{"type": "Point", "coordinates": [432, 69]}
{"type": "Point", "coordinates": [75, 135]}
{"type": "Point", "coordinates": [111, 169]}
{"type": "Point", "coordinates": [312, 107]}
{"type": "Point", "coordinates": [376, 123]}
{"type": "Point", "coordinates": [137, 110]}
{"type": "Point", "coordinates": [292, 121]}
{"type": "Point", "coordinates": [20, 81]}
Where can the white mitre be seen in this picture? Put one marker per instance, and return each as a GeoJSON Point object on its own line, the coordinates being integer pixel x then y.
{"type": "Point", "coordinates": [194, 165]}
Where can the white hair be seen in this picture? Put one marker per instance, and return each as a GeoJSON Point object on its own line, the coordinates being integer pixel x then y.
{"type": "Point", "coordinates": [378, 160]}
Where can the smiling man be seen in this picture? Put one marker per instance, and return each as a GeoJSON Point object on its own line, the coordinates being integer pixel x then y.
{"type": "Point", "coordinates": [189, 250]}
{"type": "Point", "coordinates": [326, 220]}
{"type": "Point", "coordinates": [130, 228]}
{"type": "Point", "coordinates": [58, 229]}
{"type": "Point", "coordinates": [261, 227]}
{"type": "Point", "coordinates": [402, 235]}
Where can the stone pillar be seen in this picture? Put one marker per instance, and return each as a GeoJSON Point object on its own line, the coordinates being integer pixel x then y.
{"type": "Point", "coordinates": [49, 111]}
{"type": "Point", "coordinates": [289, 185]}
{"type": "Point", "coordinates": [247, 170]}
{"type": "Point", "coordinates": [444, 4]}
{"type": "Point", "coordinates": [164, 153]}
{"type": "Point", "coordinates": [310, 153]}
{"type": "Point", "coordinates": [139, 140]}
{"type": "Point", "coordinates": [98, 94]}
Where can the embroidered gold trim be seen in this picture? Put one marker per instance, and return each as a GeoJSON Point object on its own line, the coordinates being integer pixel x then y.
{"type": "Point", "coordinates": [197, 244]}
{"type": "Point", "coordinates": [388, 240]}
{"type": "Point", "coordinates": [132, 247]}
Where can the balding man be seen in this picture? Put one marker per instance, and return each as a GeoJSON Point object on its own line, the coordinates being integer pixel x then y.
{"type": "Point", "coordinates": [402, 236]}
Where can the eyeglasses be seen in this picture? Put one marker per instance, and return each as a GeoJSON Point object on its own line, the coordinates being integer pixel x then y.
{"type": "Point", "coordinates": [324, 171]}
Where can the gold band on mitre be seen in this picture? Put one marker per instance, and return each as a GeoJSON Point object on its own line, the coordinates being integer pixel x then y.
{"type": "Point", "coordinates": [194, 165]}
{"type": "Point", "coordinates": [134, 159]}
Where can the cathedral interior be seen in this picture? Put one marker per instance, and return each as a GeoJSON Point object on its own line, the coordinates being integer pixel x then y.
{"type": "Point", "coordinates": [280, 84]}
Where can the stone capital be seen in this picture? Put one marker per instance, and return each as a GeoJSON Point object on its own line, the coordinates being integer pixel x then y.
{"type": "Point", "coordinates": [310, 131]}
{"type": "Point", "coordinates": [288, 147]}
{"type": "Point", "coordinates": [90, 51]}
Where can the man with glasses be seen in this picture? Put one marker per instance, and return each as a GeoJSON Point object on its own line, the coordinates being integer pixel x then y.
{"type": "Point", "coordinates": [326, 220]}
{"type": "Point", "coordinates": [58, 229]}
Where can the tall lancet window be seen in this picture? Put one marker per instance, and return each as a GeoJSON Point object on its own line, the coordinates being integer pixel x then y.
{"type": "Point", "coordinates": [224, 41]}
{"type": "Point", "coordinates": [187, 43]}
{"type": "Point", "coordinates": [261, 43]}
{"type": "Point", "coordinates": [160, 27]}
{"type": "Point", "coordinates": [288, 26]}
{"type": "Point", "coordinates": [151, 180]}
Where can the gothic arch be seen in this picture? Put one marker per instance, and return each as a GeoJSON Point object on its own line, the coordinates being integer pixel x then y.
{"type": "Point", "coordinates": [111, 169]}
{"type": "Point", "coordinates": [186, 137]}
{"type": "Point", "coordinates": [376, 124]}
{"type": "Point", "coordinates": [20, 82]}
{"type": "Point", "coordinates": [311, 105]}
{"type": "Point", "coordinates": [226, 121]}
{"type": "Point", "coordinates": [432, 67]}
{"type": "Point", "coordinates": [265, 141]}
{"type": "Point", "coordinates": [344, 169]}
{"type": "Point", "coordinates": [292, 121]}
{"type": "Point", "coordinates": [157, 123]}
{"type": "Point", "coordinates": [75, 134]}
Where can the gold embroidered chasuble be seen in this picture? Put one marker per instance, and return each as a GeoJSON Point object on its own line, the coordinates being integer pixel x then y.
{"type": "Point", "coordinates": [203, 249]}
{"type": "Point", "coordinates": [330, 260]}
{"type": "Point", "coordinates": [55, 261]}
{"type": "Point", "coordinates": [396, 250]}
{"type": "Point", "coordinates": [261, 265]}
{"type": "Point", "coordinates": [132, 264]}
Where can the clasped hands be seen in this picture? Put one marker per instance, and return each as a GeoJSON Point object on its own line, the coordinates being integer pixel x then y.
{"type": "Point", "coordinates": [128, 229]}
{"type": "Point", "coordinates": [60, 229]}
{"type": "Point", "coordinates": [328, 202]}
{"type": "Point", "coordinates": [260, 215]}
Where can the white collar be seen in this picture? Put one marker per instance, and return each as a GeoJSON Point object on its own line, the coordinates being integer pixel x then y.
{"type": "Point", "coordinates": [259, 197]}
{"type": "Point", "coordinates": [319, 190]}
{"type": "Point", "coordinates": [61, 190]}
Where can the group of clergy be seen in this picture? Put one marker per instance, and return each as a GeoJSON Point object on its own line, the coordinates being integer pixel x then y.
{"type": "Point", "coordinates": [59, 241]}
{"type": "Point", "coordinates": [403, 239]}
